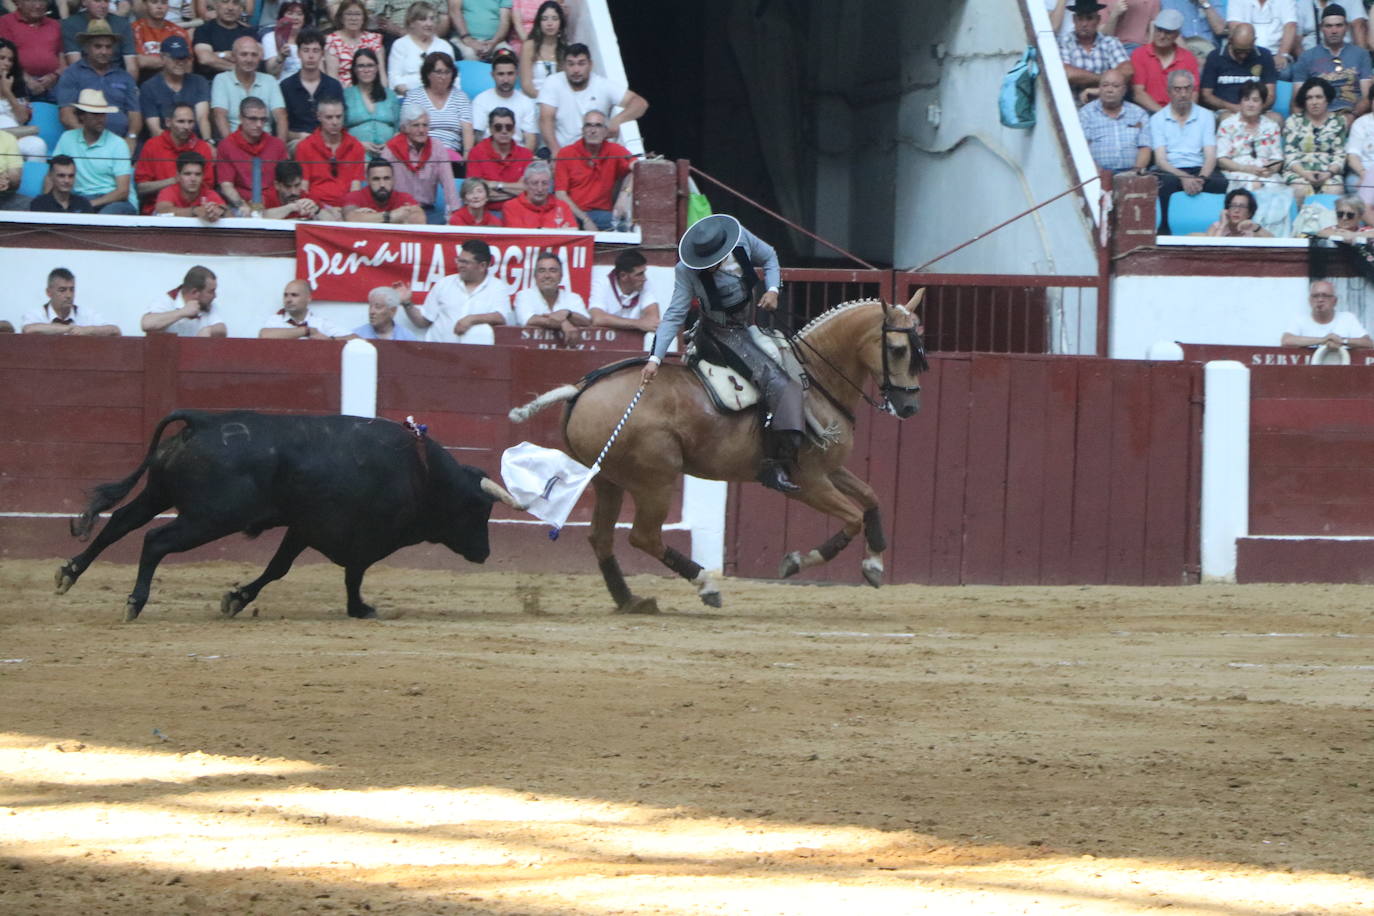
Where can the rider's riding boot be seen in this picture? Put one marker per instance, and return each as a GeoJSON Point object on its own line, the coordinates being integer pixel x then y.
{"type": "Point", "coordinates": [780, 449]}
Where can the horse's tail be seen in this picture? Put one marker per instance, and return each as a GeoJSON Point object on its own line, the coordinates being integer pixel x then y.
{"type": "Point", "coordinates": [108, 494]}
{"type": "Point", "coordinates": [547, 399]}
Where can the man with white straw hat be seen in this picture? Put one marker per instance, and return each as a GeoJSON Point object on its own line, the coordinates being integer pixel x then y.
{"type": "Point", "coordinates": [716, 267]}
{"type": "Point", "coordinates": [103, 168]}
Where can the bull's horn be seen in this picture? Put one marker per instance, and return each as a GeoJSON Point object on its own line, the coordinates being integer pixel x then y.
{"type": "Point", "coordinates": [916, 298]}
{"type": "Point", "coordinates": [498, 492]}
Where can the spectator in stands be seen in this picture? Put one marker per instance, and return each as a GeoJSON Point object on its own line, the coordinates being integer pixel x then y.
{"type": "Point", "coordinates": [1184, 136]}
{"type": "Point", "coordinates": [214, 40]}
{"type": "Point", "coordinates": [1087, 53]}
{"type": "Point", "coordinates": [39, 41]}
{"type": "Point", "coordinates": [389, 18]}
{"type": "Point", "coordinates": [15, 111]}
{"type": "Point", "coordinates": [546, 45]}
{"type": "Point", "coordinates": [1228, 68]}
{"type": "Point", "coordinates": [464, 307]}
{"type": "Point", "coordinates": [1250, 146]}
{"type": "Point", "coordinates": [150, 31]}
{"type": "Point", "coordinates": [1310, 15]}
{"type": "Point", "coordinates": [230, 88]}
{"type": "Point", "coordinates": [1276, 27]}
{"type": "Point", "coordinates": [97, 69]}
{"type": "Point", "coordinates": [588, 172]}
{"type": "Point", "coordinates": [296, 320]}
{"type": "Point", "coordinates": [1237, 218]}
{"type": "Point", "coordinates": [379, 201]}
{"type": "Point", "coordinates": [333, 161]}
{"type": "Point", "coordinates": [247, 158]}
{"type": "Point", "coordinates": [474, 211]}
{"type": "Point", "coordinates": [157, 161]}
{"type": "Point", "coordinates": [1118, 131]}
{"type": "Point", "coordinates": [1350, 225]}
{"type": "Point", "coordinates": [187, 310]}
{"type": "Point", "coordinates": [279, 54]}
{"type": "Point", "coordinates": [1129, 20]}
{"type": "Point", "coordinates": [567, 97]}
{"type": "Point", "coordinates": [11, 173]}
{"type": "Point", "coordinates": [175, 85]}
{"type": "Point", "coordinates": [537, 208]}
{"type": "Point", "coordinates": [1323, 325]}
{"type": "Point", "coordinates": [448, 107]}
{"type": "Point", "coordinates": [621, 298]}
{"type": "Point", "coordinates": [1314, 142]}
{"type": "Point", "coordinates": [408, 52]}
{"type": "Point", "coordinates": [1204, 24]}
{"type": "Point", "coordinates": [103, 169]}
{"type": "Point", "coordinates": [287, 199]}
{"type": "Point", "coordinates": [382, 303]}
{"type": "Point", "coordinates": [372, 112]}
{"type": "Point", "coordinates": [503, 94]}
{"type": "Point", "coordinates": [99, 11]}
{"type": "Point", "coordinates": [60, 199]}
{"type": "Point", "coordinates": [190, 196]}
{"type": "Point", "coordinates": [499, 160]}
{"type": "Point", "coordinates": [61, 315]}
{"type": "Point", "coordinates": [310, 85]}
{"type": "Point", "coordinates": [1343, 65]}
{"type": "Point", "coordinates": [421, 168]}
{"type": "Point", "coordinates": [1152, 64]}
{"type": "Point", "coordinates": [480, 26]}
{"type": "Point", "coordinates": [1359, 153]}
{"type": "Point", "coordinates": [522, 16]}
{"type": "Point", "coordinates": [546, 305]}
{"type": "Point", "coordinates": [344, 42]}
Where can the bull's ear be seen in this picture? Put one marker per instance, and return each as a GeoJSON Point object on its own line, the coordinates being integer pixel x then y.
{"type": "Point", "coordinates": [499, 493]}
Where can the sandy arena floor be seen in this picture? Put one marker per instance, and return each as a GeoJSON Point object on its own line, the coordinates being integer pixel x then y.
{"type": "Point", "coordinates": [502, 744]}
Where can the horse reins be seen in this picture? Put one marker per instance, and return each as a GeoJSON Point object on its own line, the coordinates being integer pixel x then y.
{"type": "Point", "coordinates": [917, 353]}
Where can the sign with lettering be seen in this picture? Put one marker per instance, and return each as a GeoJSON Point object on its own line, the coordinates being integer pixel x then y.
{"type": "Point", "coordinates": [588, 339]}
{"type": "Point", "coordinates": [342, 263]}
{"type": "Point", "coordinates": [1267, 356]}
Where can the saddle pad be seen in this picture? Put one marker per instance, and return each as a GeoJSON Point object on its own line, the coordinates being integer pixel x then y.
{"type": "Point", "coordinates": [729, 389]}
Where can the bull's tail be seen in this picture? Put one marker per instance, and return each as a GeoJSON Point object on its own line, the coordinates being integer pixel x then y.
{"type": "Point", "coordinates": [547, 399]}
{"type": "Point", "coordinates": [109, 494]}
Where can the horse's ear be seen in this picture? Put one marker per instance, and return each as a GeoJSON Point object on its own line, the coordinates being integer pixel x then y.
{"type": "Point", "coordinates": [916, 299]}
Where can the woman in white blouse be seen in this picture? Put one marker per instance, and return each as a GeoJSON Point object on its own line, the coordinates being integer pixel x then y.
{"type": "Point", "coordinates": [409, 51]}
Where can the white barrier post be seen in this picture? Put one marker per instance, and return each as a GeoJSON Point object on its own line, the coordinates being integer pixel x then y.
{"type": "Point", "coordinates": [358, 379]}
{"type": "Point", "coordinates": [703, 514]}
{"type": "Point", "coordinates": [1225, 467]}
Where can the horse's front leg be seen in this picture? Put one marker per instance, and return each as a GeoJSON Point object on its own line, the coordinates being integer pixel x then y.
{"type": "Point", "coordinates": [874, 539]}
{"type": "Point", "coordinates": [651, 510]}
{"type": "Point", "coordinates": [824, 496]}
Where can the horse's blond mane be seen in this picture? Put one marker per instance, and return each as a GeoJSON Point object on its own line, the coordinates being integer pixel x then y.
{"type": "Point", "coordinates": [841, 309]}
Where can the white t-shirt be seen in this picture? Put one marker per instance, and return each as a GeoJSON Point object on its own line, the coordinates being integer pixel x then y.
{"type": "Point", "coordinates": [404, 58]}
{"type": "Point", "coordinates": [279, 319]}
{"type": "Point", "coordinates": [609, 298]}
{"type": "Point", "coordinates": [530, 302]}
{"type": "Point", "coordinates": [450, 300]}
{"type": "Point", "coordinates": [526, 111]}
{"type": "Point", "coordinates": [600, 94]}
{"type": "Point", "coordinates": [184, 327]}
{"type": "Point", "coordinates": [1361, 139]}
{"type": "Point", "coordinates": [1268, 18]}
{"type": "Point", "coordinates": [290, 63]}
{"type": "Point", "coordinates": [81, 317]}
{"type": "Point", "coordinates": [1342, 324]}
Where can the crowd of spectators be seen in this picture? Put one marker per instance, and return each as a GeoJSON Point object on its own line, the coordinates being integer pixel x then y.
{"type": "Point", "coordinates": [1190, 99]}
{"type": "Point", "coordinates": [330, 86]}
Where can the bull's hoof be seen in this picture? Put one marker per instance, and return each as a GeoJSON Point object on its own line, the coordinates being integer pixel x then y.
{"type": "Point", "coordinates": [365, 612]}
{"type": "Point", "coordinates": [65, 578]}
{"type": "Point", "coordinates": [790, 566]}
{"type": "Point", "coordinates": [232, 602]}
{"type": "Point", "coordinates": [710, 599]}
{"type": "Point", "coordinates": [873, 573]}
{"type": "Point", "coordinates": [131, 611]}
{"type": "Point", "coordinates": [637, 605]}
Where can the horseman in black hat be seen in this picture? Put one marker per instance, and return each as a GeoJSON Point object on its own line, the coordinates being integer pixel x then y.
{"type": "Point", "coordinates": [717, 257]}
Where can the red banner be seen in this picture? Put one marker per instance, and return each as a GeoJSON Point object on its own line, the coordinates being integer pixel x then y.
{"type": "Point", "coordinates": [343, 263]}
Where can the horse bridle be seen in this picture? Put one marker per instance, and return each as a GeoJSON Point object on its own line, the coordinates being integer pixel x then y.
{"type": "Point", "coordinates": [917, 363]}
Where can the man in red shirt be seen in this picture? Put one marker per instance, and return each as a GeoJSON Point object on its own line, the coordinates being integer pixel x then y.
{"type": "Point", "coordinates": [189, 196]}
{"type": "Point", "coordinates": [247, 158]}
{"type": "Point", "coordinates": [331, 158]}
{"type": "Point", "coordinates": [537, 208]}
{"type": "Point", "coordinates": [499, 160]}
{"type": "Point", "coordinates": [1152, 63]}
{"type": "Point", "coordinates": [157, 164]}
{"type": "Point", "coordinates": [379, 202]}
{"type": "Point", "coordinates": [39, 39]}
{"type": "Point", "coordinates": [587, 174]}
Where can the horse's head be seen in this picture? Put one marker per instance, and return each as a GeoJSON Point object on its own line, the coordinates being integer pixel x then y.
{"type": "Point", "coordinates": [902, 358]}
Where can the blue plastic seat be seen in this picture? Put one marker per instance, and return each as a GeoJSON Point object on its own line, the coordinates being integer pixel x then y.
{"type": "Point", "coordinates": [1193, 213]}
{"type": "Point", "coordinates": [1283, 97]}
{"type": "Point", "coordinates": [31, 181]}
{"type": "Point", "coordinates": [49, 123]}
{"type": "Point", "coordinates": [474, 76]}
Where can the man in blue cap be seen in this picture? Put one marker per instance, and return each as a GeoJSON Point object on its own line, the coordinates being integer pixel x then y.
{"type": "Point", "coordinates": [716, 267]}
{"type": "Point", "coordinates": [175, 85]}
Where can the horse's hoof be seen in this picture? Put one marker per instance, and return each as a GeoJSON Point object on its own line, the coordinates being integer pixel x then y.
{"type": "Point", "coordinates": [710, 599]}
{"type": "Point", "coordinates": [65, 578]}
{"type": "Point", "coordinates": [637, 605]}
{"type": "Point", "coordinates": [232, 603]}
{"type": "Point", "coordinates": [131, 611]}
{"type": "Point", "coordinates": [366, 612]}
{"type": "Point", "coordinates": [790, 566]}
{"type": "Point", "coordinates": [873, 574]}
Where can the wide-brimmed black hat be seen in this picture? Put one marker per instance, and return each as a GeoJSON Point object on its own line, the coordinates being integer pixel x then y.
{"type": "Point", "coordinates": [1085, 7]}
{"type": "Point", "coordinates": [707, 241]}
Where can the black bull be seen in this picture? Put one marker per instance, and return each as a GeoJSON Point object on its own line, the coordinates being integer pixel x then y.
{"type": "Point", "coordinates": [354, 489]}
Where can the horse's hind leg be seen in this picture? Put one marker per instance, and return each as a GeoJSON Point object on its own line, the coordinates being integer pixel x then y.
{"type": "Point", "coordinates": [822, 495]}
{"type": "Point", "coordinates": [142, 509]}
{"type": "Point", "coordinates": [874, 539]}
{"type": "Point", "coordinates": [609, 499]}
{"type": "Point", "coordinates": [651, 509]}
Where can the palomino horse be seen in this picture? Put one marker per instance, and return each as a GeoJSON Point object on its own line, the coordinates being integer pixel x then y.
{"type": "Point", "coordinates": [676, 430]}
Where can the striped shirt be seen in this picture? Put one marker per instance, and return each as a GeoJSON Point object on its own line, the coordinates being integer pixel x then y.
{"type": "Point", "coordinates": [1107, 52]}
{"type": "Point", "coordinates": [1113, 141]}
{"type": "Point", "coordinates": [445, 124]}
